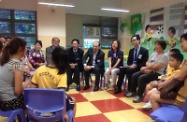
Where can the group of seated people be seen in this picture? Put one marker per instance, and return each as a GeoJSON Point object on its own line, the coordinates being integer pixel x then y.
{"type": "Point", "coordinates": [12, 70]}
{"type": "Point", "coordinates": [143, 73]}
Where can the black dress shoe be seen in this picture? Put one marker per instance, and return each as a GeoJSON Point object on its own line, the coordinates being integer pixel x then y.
{"type": "Point", "coordinates": [137, 99]}
{"type": "Point", "coordinates": [96, 88]}
{"type": "Point", "coordinates": [86, 87]}
{"type": "Point", "coordinates": [78, 88]}
{"type": "Point", "coordinates": [116, 91]}
{"type": "Point", "coordinates": [129, 94]}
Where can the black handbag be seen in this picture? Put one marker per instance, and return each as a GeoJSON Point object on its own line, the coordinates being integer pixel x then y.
{"type": "Point", "coordinates": [170, 90]}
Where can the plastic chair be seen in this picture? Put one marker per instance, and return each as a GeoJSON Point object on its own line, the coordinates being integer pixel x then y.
{"type": "Point", "coordinates": [46, 104]}
{"type": "Point", "coordinates": [170, 113]}
{"type": "Point", "coordinates": [12, 115]}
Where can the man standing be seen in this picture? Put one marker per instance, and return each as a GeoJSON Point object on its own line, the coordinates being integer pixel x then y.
{"type": "Point", "coordinates": [137, 58]}
{"type": "Point", "coordinates": [94, 65]}
{"type": "Point", "coordinates": [55, 43]}
{"type": "Point", "coordinates": [75, 63]}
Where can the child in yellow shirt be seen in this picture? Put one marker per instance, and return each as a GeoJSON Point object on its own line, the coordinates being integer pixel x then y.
{"type": "Point", "coordinates": [173, 68]}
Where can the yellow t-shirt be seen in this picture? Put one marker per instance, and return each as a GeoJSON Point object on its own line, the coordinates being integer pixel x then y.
{"type": "Point", "coordinates": [173, 40]}
{"type": "Point", "coordinates": [170, 72]}
{"type": "Point", "coordinates": [47, 77]}
{"type": "Point", "coordinates": [148, 36]}
{"type": "Point", "coordinates": [182, 93]}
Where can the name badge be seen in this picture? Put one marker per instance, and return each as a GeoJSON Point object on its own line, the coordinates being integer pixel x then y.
{"type": "Point", "coordinates": [140, 56]}
{"type": "Point", "coordinates": [98, 60]}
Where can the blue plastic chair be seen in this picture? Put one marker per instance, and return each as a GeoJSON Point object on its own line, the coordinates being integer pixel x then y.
{"type": "Point", "coordinates": [46, 105]}
{"type": "Point", "coordinates": [12, 115]}
{"type": "Point", "coordinates": [170, 113]}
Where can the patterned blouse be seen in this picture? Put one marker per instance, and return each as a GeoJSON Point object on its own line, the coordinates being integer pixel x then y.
{"type": "Point", "coordinates": [36, 58]}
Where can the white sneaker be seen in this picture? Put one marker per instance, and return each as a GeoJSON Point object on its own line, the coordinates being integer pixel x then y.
{"type": "Point", "coordinates": [147, 106]}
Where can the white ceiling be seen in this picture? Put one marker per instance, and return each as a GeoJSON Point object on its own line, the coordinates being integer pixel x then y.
{"type": "Point", "coordinates": [93, 7]}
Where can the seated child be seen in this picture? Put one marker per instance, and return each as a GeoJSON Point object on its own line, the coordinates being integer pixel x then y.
{"type": "Point", "coordinates": [54, 76]}
{"type": "Point", "coordinates": [174, 65]}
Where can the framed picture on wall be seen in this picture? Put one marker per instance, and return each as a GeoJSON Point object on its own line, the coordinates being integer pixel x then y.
{"type": "Point", "coordinates": [91, 32]}
{"type": "Point", "coordinates": [88, 42]}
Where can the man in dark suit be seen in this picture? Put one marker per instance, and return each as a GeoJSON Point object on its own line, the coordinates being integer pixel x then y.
{"type": "Point", "coordinates": [75, 63]}
{"type": "Point", "coordinates": [137, 58]}
{"type": "Point", "coordinates": [94, 65]}
{"type": "Point", "coordinates": [55, 43]}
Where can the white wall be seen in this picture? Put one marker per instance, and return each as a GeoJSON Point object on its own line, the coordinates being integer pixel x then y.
{"type": "Point", "coordinates": [51, 23]}
{"type": "Point", "coordinates": [19, 4]}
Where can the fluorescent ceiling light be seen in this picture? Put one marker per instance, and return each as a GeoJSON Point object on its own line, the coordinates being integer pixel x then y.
{"type": "Point", "coordinates": [114, 10]}
{"type": "Point", "coordinates": [55, 4]}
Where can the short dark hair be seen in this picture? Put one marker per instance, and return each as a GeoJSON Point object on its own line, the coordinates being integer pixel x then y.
{"type": "Point", "coordinates": [172, 30]}
{"type": "Point", "coordinates": [178, 57]}
{"type": "Point", "coordinates": [137, 37]}
{"type": "Point", "coordinates": [184, 36]}
{"type": "Point", "coordinates": [60, 59]}
{"type": "Point", "coordinates": [147, 26]}
{"type": "Point", "coordinates": [39, 42]}
{"type": "Point", "coordinates": [175, 51]}
{"type": "Point", "coordinates": [161, 43]}
{"type": "Point", "coordinates": [75, 40]}
{"type": "Point", "coordinates": [118, 42]}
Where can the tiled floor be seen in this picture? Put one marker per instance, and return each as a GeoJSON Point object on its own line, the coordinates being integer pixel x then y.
{"type": "Point", "coordinates": [104, 106]}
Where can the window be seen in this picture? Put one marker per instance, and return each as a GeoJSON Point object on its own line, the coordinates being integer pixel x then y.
{"type": "Point", "coordinates": [20, 23]}
{"type": "Point", "coordinates": [24, 15]}
{"type": "Point", "coordinates": [25, 28]}
{"type": "Point", "coordinates": [5, 27]}
{"type": "Point", "coordinates": [4, 14]}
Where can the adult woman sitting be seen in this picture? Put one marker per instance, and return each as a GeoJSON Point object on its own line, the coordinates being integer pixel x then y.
{"type": "Point", "coordinates": [54, 75]}
{"type": "Point", "coordinates": [155, 67]}
{"type": "Point", "coordinates": [115, 60]}
{"type": "Point", "coordinates": [181, 77]}
{"type": "Point", "coordinates": [36, 56]}
{"type": "Point", "coordinates": [11, 75]}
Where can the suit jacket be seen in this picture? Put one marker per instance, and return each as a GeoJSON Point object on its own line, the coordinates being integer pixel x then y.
{"type": "Point", "coordinates": [73, 59]}
{"type": "Point", "coordinates": [49, 50]}
{"type": "Point", "coordinates": [99, 60]}
{"type": "Point", "coordinates": [142, 57]}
